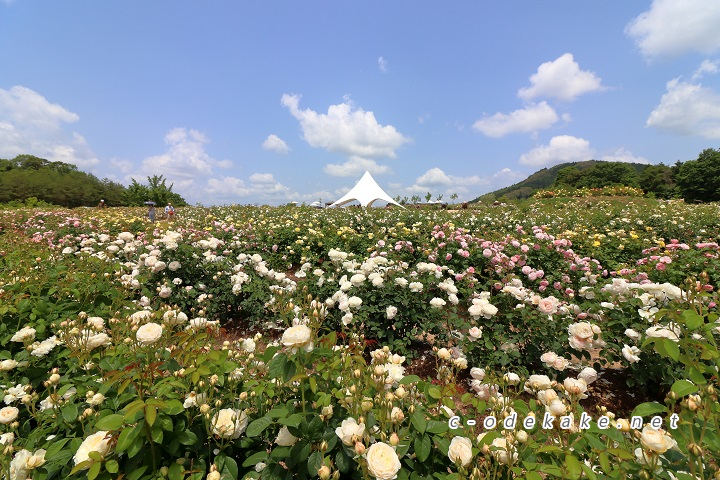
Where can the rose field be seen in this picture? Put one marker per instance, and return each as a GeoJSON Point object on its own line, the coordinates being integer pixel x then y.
{"type": "Point", "coordinates": [549, 338]}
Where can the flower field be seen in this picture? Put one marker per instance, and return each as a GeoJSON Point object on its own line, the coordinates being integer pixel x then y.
{"type": "Point", "coordinates": [259, 342]}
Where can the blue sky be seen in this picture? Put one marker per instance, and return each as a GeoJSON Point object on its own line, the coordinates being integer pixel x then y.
{"type": "Point", "coordinates": [277, 101]}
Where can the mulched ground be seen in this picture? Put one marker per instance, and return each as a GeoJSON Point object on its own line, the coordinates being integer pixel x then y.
{"type": "Point", "coordinates": [609, 391]}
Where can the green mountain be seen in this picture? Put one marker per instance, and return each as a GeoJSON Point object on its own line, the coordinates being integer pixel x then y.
{"type": "Point", "coordinates": [546, 177]}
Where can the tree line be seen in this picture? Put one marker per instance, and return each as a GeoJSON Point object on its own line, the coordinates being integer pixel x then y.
{"type": "Point", "coordinates": [29, 177]}
{"type": "Point", "coordinates": [693, 180]}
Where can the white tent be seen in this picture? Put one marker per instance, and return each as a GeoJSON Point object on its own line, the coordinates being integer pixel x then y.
{"type": "Point", "coordinates": [366, 191]}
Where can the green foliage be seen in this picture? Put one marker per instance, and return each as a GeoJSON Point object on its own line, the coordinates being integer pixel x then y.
{"type": "Point", "coordinates": [699, 180]}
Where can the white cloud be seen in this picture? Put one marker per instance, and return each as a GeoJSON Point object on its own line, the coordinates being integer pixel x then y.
{"type": "Point", "coordinates": [355, 166]}
{"type": "Point", "coordinates": [561, 79]}
{"type": "Point", "coordinates": [348, 130]}
{"type": "Point", "coordinates": [125, 166]}
{"type": "Point", "coordinates": [674, 27]}
{"type": "Point", "coordinates": [467, 187]}
{"type": "Point", "coordinates": [623, 155]}
{"type": "Point", "coordinates": [275, 144]}
{"type": "Point", "coordinates": [185, 158]}
{"type": "Point", "coordinates": [32, 125]}
{"type": "Point", "coordinates": [532, 118]}
{"type": "Point", "coordinates": [561, 149]}
{"type": "Point", "coordinates": [688, 109]}
{"type": "Point", "coordinates": [382, 64]}
{"type": "Point", "coordinates": [262, 178]}
{"type": "Point", "coordinates": [261, 186]}
{"type": "Point", "coordinates": [707, 66]}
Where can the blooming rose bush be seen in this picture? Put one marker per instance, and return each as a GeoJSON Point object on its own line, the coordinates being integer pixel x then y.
{"type": "Point", "coordinates": [114, 362]}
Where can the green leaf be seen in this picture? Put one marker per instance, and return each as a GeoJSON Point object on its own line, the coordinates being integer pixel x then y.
{"type": "Point", "coordinates": [418, 420]}
{"type": "Point", "coordinates": [314, 463]}
{"type": "Point", "coordinates": [434, 392]}
{"type": "Point", "coordinates": [255, 458]}
{"type": "Point", "coordinates": [112, 466]}
{"type": "Point", "coordinates": [276, 367]}
{"type": "Point", "coordinates": [423, 447]}
{"type": "Point", "coordinates": [692, 320]}
{"type": "Point", "coordinates": [533, 476]}
{"type": "Point", "coordinates": [150, 414]}
{"type": "Point", "coordinates": [683, 387]}
{"type": "Point", "coordinates": [173, 407]}
{"type": "Point", "coordinates": [410, 379]}
{"type": "Point", "coordinates": [137, 473]}
{"type": "Point", "coordinates": [94, 471]}
{"type": "Point", "coordinates": [70, 413]}
{"type": "Point", "coordinates": [228, 466]}
{"type": "Point", "coordinates": [573, 466]}
{"type": "Point", "coordinates": [256, 427]}
{"type": "Point", "coordinates": [187, 437]}
{"type": "Point", "coordinates": [648, 408]}
{"type": "Point", "coordinates": [435, 426]}
{"type": "Point", "coordinates": [176, 472]}
{"type": "Point", "coordinates": [293, 420]}
{"type": "Point", "coordinates": [110, 422]}
{"type": "Point", "coordinates": [667, 348]}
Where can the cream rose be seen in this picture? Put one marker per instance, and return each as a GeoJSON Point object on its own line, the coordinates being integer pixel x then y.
{"type": "Point", "coordinates": [285, 438]}
{"type": "Point", "coordinates": [460, 449]}
{"type": "Point", "coordinates": [8, 415]}
{"type": "Point", "coordinates": [6, 365]}
{"type": "Point", "coordinates": [537, 382]}
{"type": "Point", "coordinates": [298, 337]}
{"type": "Point", "coordinates": [349, 431]}
{"type": "Point", "coordinates": [229, 423]}
{"type": "Point", "coordinates": [656, 440]}
{"type": "Point", "coordinates": [97, 442]}
{"type": "Point", "coordinates": [504, 452]}
{"type": "Point", "coordinates": [149, 333]}
{"type": "Point", "coordinates": [383, 463]}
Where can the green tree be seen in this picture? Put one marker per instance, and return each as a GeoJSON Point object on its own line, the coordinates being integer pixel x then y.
{"type": "Point", "coordinates": [700, 179]}
{"type": "Point", "coordinates": [659, 180]}
{"type": "Point", "coordinates": [568, 176]}
{"type": "Point", "coordinates": [606, 174]}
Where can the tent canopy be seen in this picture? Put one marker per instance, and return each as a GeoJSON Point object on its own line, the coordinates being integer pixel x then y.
{"type": "Point", "coordinates": [366, 191]}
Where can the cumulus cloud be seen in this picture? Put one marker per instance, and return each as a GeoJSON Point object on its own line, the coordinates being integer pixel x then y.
{"type": "Point", "coordinates": [436, 181]}
{"type": "Point", "coordinates": [688, 109]}
{"type": "Point", "coordinates": [706, 67]}
{"type": "Point", "coordinates": [561, 149]}
{"type": "Point", "coordinates": [382, 64]}
{"type": "Point", "coordinates": [355, 166]}
{"type": "Point", "coordinates": [673, 27]}
{"type": "Point", "coordinates": [561, 79]}
{"type": "Point", "coordinates": [262, 186]}
{"type": "Point", "coordinates": [623, 155]}
{"type": "Point", "coordinates": [32, 125]}
{"type": "Point", "coordinates": [532, 118]}
{"type": "Point", "coordinates": [274, 143]}
{"type": "Point", "coordinates": [185, 157]}
{"type": "Point", "coordinates": [348, 130]}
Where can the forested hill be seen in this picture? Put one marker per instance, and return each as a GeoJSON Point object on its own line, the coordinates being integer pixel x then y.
{"type": "Point", "coordinates": [658, 179]}
{"type": "Point", "coordinates": [28, 177]}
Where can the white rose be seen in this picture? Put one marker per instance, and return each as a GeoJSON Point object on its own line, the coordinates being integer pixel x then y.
{"type": "Point", "coordinates": [99, 442]}
{"type": "Point", "coordinates": [460, 449]}
{"type": "Point", "coordinates": [349, 431]}
{"type": "Point", "coordinates": [631, 353]}
{"type": "Point", "coordinates": [475, 333]}
{"type": "Point", "coordinates": [229, 423]}
{"type": "Point", "coordinates": [503, 452]}
{"type": "Point", "coordinates": [656, 440]}
{"type": "Point", "coordinates": [298, 337]}
{"type": "Point", "coordinates": [25, 334]}
{"type": "Point", "coordinates": [575, 387]}
{"type": "Point", "coordinates": [285, 438]}
{"type": "Point", "coordinates": [390, 312]}
{"type": "Point", "coordinates": [94, 341]}
{"type": "Point", "coordinates": [537, 382]}
{"type": "Point", "coordinates": [437, 302]}
{"type": "Point", "coordinates": [402, 282]}
{"type": "Point", "coordinates": [588, 374]}
{"type": "Point", "coordinates": [6, 365]}
{"type": "Point", "coordinates": [149, 333]}
{"type": "Point", "coordinates": [8, 415]}
{"type": "Point", "coordinates": [477, 373]}
{"type": "Point", "coordinates": [512, 378]}
{"type": "Point", "coordinates": [416, 287]}
{"type": "Point", "coordinates": [383, 463]}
